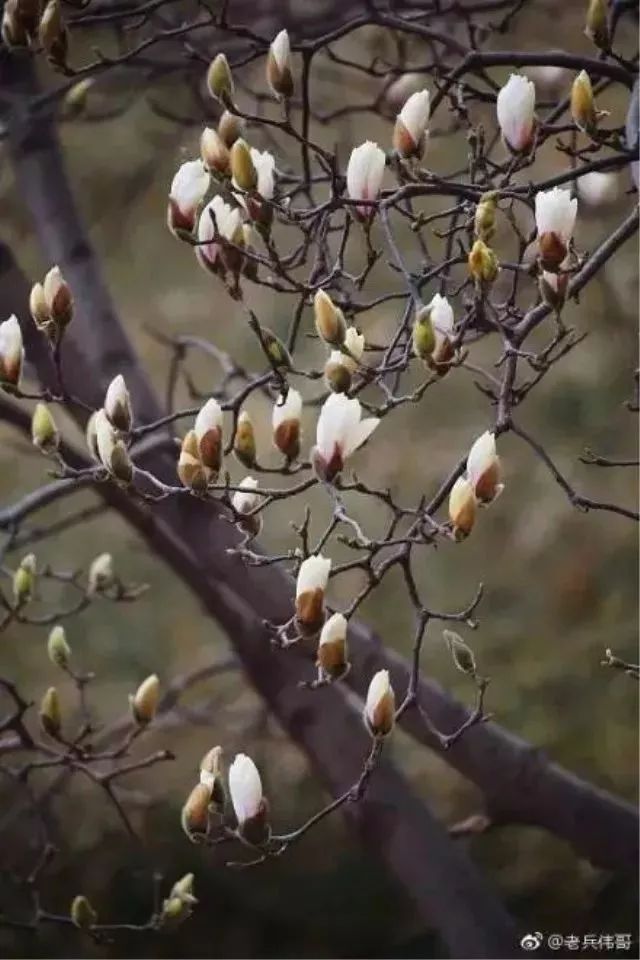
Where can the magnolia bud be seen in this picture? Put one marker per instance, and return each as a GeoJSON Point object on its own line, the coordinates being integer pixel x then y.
{"type": "Point", "coordinates": [211, 775]}
{"type": "Point", "coordinates": [483, 263]}
{"type": "Point", "coordinates": [120, 465]}
{"type": "Point", "coordinates": [24, 579]}
{"type": "Point", "coordinates": [553, 289]}
{"type": "Point", "coordinates": [462, 508]}
{"type": "Point", "coordinates": [279, 75]}
{"type": "Point", "coordinates": [177, 906]}
{"type": "Point", "coordinates": [229, 128]}
{"type": "Point", "coordinates": [380, 706]}
{"type": "Point", "coordinates": [192, 472]}
{"type": "Point", "coordinates": [311, 583]}
{"type": "Point", "coordinates": [276, 350]}
{"type": "Point", "coordinates": [583, 109]}
{"type": "Point", "coordinates": [485, 216]}
{"type": "Point", "coordinates": [484, 469]}
{"type": "Point", "coordinates": [219, 79]}
{"type": "Point", "coordinates": [208, 431]}
{"type": "Point", "coordinates": [101, 574]}
{"type": "Point", "coordinates": [75, 99]}
{"type": "Point", "coordinates": [57, 647]}
{"type": "Point", "coordinates": [50, 713]}
{"type": "Point", "coordinates": [144, 702]}
{"type": "Point", "coordinates": [249, 804]}
{"type": "Point", "coordinates": [14, 33]}
{"type": "Point", "coordinates": [38, 307]}
{"type": "Point", "coordinates": [112, 451]}
{"type": "Point", "coordinates": [332, 660]}
{"type": "Point", "coordinates": [243, 171]}
{"type": "Point", "coordinates": [244, 441]}
{"type": "Point", "coordinates": [11, 351]}
{"type": "Point", "coordinates": [330, 323]}
{"type": "Point", "coordinates": [82, 913]}
{"type": "Point", "coordinates": [213, 151]}
{"type": "Point", "coordinates": [286, 424]}
{"type": "Point", "coordinates": [195, 812]}
{"type": "Point", "coordinates": [424, 337]}
{"type": "Point", "coordinates": [117, 404]}
{"type": "Point", "coordinates": [44, 433]}
{"type": "Point", "coordinates": [91, 436]}
{"type": "Point", "coordinates": [53, 34]}
{"type": "Point", "coordinates": [337, 375]}
{"type": "Point", "coordinates": [410, 130]}
{"type": "Point", "coordinates": [596, 27]}
{"type": "Point", "coordinates": [244, 502]}
{"type": "Point", "coordinates": [461, 653]}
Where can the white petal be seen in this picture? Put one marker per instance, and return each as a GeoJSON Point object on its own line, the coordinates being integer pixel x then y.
{"type": "Point", "coordinates": [313, 574]}
{"type": "Point", "coordinates": [245, 500]}
{"type": "Point", "coordinates": [189, 186]}
{"type": "Point", "coordinates": [481, 456]}
{"type": "Point", "coordinates": [359, 433]}
{"type": "Point", "coordinates": [515, 106]}
{"type": "Point", "coordinates": [442, 315]}
{"type": "Point", "coordinates": [415, 114]}
{"type": "Point", "coordinates": [264, 162]}
{"type": "Point", "coordinates": [378, 687]}
{"type": "Point", "coordinates": [334, 629]}
{"type": "Point", "coordinates": [245, 787]}
{"type": "Point", "coordinates": [556, 212]}
{"type": "Point", "coordinates": [365, 171]}
{"type": "Point", "coordinates": [209, 417]}
{"type": "Point", "coordinates": [281, 49]}
{"type": "Point", "coordinates": [291, 409]}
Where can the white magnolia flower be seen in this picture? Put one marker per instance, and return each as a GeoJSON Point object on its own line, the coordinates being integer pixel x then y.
{"type": "Point", "coordinates": [286, 424]}
{"type": "Point", "coordinates": [188, 189]}
{"type": "Point", "coordinates": [597, 189]}
{"type": "Point", "coordinates": [354, 345]}
{"type": "Point", "coordinates": [516, 107]}
{"type": "Point", "coordinates": [101, 573]}
{"type": "Point", "coordinates": [11, 351]}
{"type": "Point", "coordinates": [117, 404]}
{"type": "Point", "coordinates": [313, 574]}
{"type": "Point", "coordinates": [208, 430]}
{"type": "Point", "coordinates": [246, 500]}
{"type": "Point", "coordinates": [380, 705]}
{"type": "Point", "coordinates": [364, 175]}
{"type": "Point", "coordinates": [556, 213]}
{"type": "Point", "coordinates": [279, 66]}
{"type": "Point", "coordinates": [332, 647]}
{"type": "Point", "coordinates": [339, 432]}
{"type": "Point", "coordinates": [245, 788]}
{"type": "Point", "coordinates": [264, 162]}
{"type": "Point", "coordinates": [484, 471]}
{"type": "Point", "coordinates": [227, 222]}
{"type": "Point", "coordinates": [442, 318]}
{"type": "Point", "coordinates": [410, 131]}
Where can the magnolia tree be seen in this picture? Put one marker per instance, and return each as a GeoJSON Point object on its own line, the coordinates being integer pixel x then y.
{"type": "Point", "coordinates": [490, 250]}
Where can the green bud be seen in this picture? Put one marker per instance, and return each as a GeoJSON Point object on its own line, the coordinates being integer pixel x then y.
{"type": "Point", "coordinates": [50, 712]}
{"type": "Point", "coordinates": [57, 647]}
{"type": "Point", "coordinates": [462, 654]}
{"type": "Point", "coordinates": [82, 913]}
{"type": "Point", "coordinates": [424, 337]}
{"type": "Point", "coordinates": [24, 579]}
{"type": "Point", "coordinates": [44, 432]}
{"type": "Point", "coordinates": [219, 79]}
{"type": "Point", "coordinates": [596, 27]}
{"type": "Point", "coordinates": [243, 170]}
{"type": "Point", "coordinates": [280, 356]}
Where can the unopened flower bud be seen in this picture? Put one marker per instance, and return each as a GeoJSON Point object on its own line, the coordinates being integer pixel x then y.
{"type": "Point", "coordinates": [144, 702]}
{"type": "Point", "coordinates": [51, 713]}
{"type": "Point", "coordinates": [178, 905]}
{"type": "Point", "coordinates": [213, 151]}
{"type": "Point", "coordinates": [244, 502]}
{"type": "Point", "coordinates": [332, 658]}
{"type": "Point", "coordinates": [44, 432]}
{"type": "Point", "coordinates": [286, 424]}
{"type": "Point", "coordinates": [249, 804]}
{"type": "Point", "coordinates": [11, 351]}
{"type": "Point", "coordinates": [312, 580]}
{"type": "Point", "coordinates": [24, 579]}
{"type": "Point", "coordinates": [380, 706]}
{"type": "Point", "coordinates": [485, 216]}
{"type": "Point", "coordinates": [484, 470]}
{"type": "Point", "coordinates": [556, 212]}
{"type": "Point", "coordinates": [279, 75]}
{"type": "Point", "coordinates": [195, 812]}
{"type": "Point", "coordinates": [278, 353]}
{"type": "Point", "coordinates": [244, 441]}
{"type": "Point", "coordinates": [212, 774]}
{"type": "Point", "coordinates": [208, 430]}
{"type": "Point", "coordinates": [112, 451]}
{"type": "Point", "coordinates": [462, 655]}
{"type": "Point", "coordinates": [337, 375]}
{"type": "Point", "coordinates": [38, 307]}
{"type": "Point", "coordinates": [82, 913]}
{"type": "Point", "coordinates": [553, 289]}
{"type": "Point", "coordinates": [53, 34]}
{"type": "Point", "coordinates": [117, 404]}
{"type": "Point", "coordinates": [330, 323]}
{"type": "Point", "coordinates": [229, 128]}
{"type": "Point", "coordinates": [583, 108]}
{"type": "Point", "coordinates": [192, 472]}
{"type": "Point", "coordinates": [243, 171]}
{"type": "Point", "coordinates": [91, 436]}
{"type": "Point", "coordinates": [596, 27]}
{"type": "Point", "coordinates": [424, 337]}
{"type": "Point", "coordinates": [410, 131]}
{"type": "Point", "coordinates": [219, 79]}
{"type": "Point", "coordinates": [483, 263]}
{"type": "Point", "coordinates": [462, 508]}
{"type": "Point", "coordinates": [101, 574]}
{"type": "Point", "coordinates": [58, 649]}
{"type": "Point", "coordinates": [14, 32]}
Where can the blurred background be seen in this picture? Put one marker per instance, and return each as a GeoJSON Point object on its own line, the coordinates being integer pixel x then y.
{"type": "Point", "coordinates": [560, 586]}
